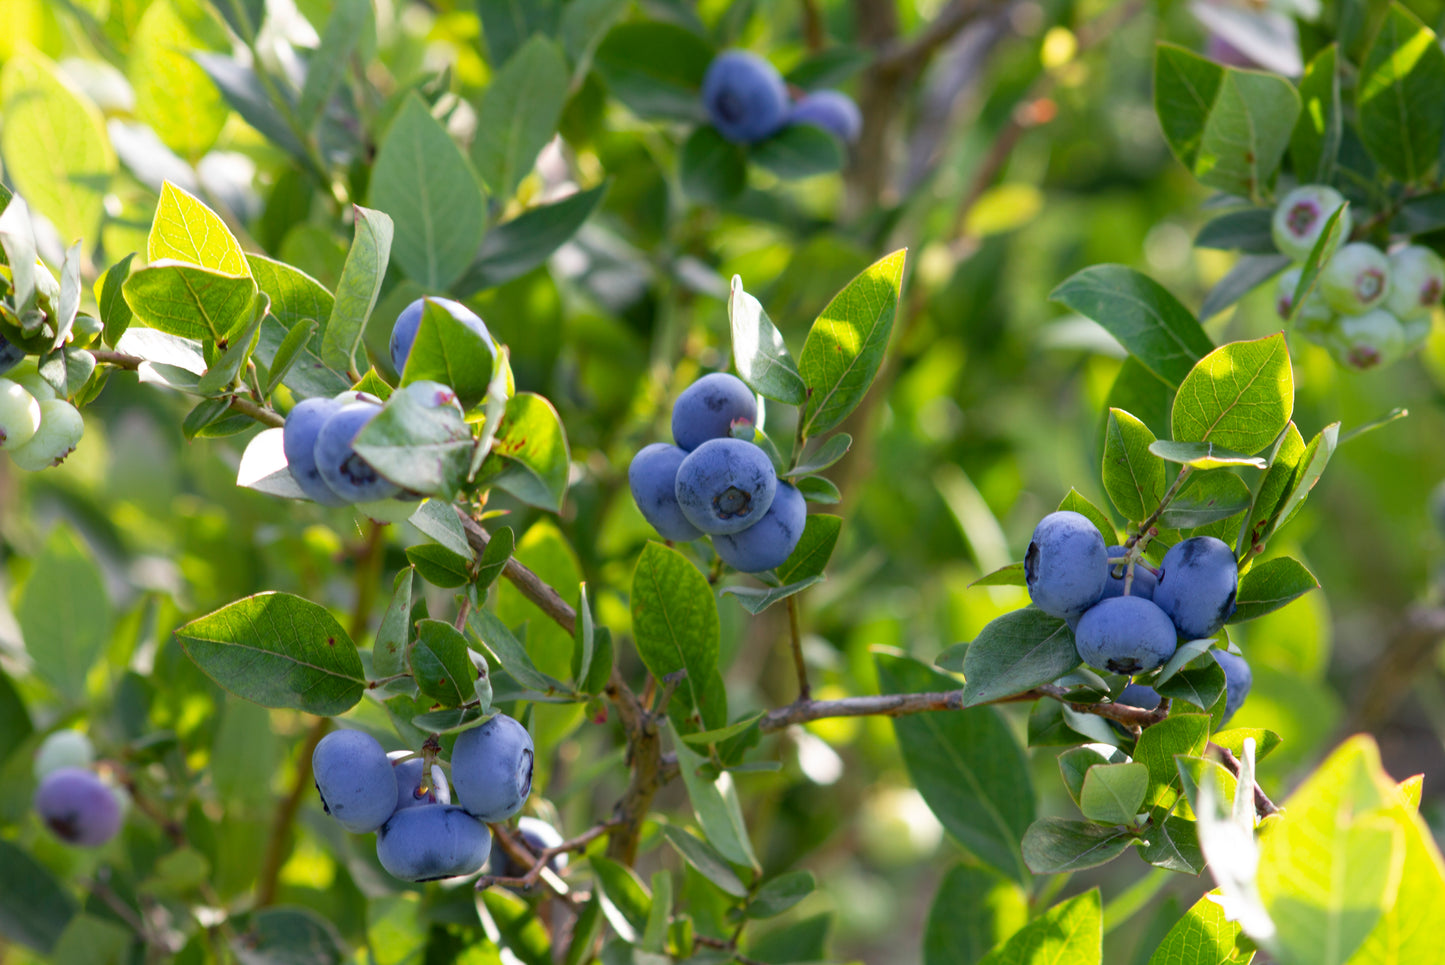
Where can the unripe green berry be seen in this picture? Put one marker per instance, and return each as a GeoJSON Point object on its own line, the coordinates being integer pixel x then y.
{"type": "Point", "coordinates": [1314, 315]}
{"type": "Point", "coordinates": [1301, 217]}
{"type": "Point", "coordinates": [1371, 340]}
{"type": "Point", "coordinates": [60, 430]}
{"type": "Point", "coordinates": [1417, 278]}
{"type": "Point", "coordinates": [19, 415]}
{"type": "Point", "coordinates": [1356, 279]}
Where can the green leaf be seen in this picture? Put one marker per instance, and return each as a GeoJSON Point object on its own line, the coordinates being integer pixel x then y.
{"type": "Point", "coordinates": [507, 24]}
{"type": "Point", "coordinates": [278, 650]}
{"type": "Point", "coordinates": [1233, 739]}
{"type": "Point", "coordinates": [114, 312]}
{"type": "Point", "coordinates": [584, 635]}
{"type": "Point", "coordinates": [1420, 214]}
{"type": "Point", "coordinates": [496, 638]}
{"type": "Point", "coordinates": [1270, 585]}
{"type": "Point", "coordinates": [494, 558]}
{"type": "Point", "coordinates": [1205, 499]}
{"type": "Point", "coordinates": [1203, 455]}
{"type": "Point", "coordinates": [757, 599]}
{"type": "Point", "coordinates": [762, 357]}
{"type": "Point", "coordinates": [518, 114]}
{"type": "Point", "coordinates": [1311, 465]}
{"type": "Point", "coordinates": [703, 738]}
{"type": "Point", "coordinates": [1056, 845]}
{"type": "Point", "coordinates": [967, 765]}
{"type": "Point", "coordinates": [705, 858]}
{"type": "Point", "coordinates": [814, 549]}
{"type": "Point", "coordinates": [250, 97]}
{"type": "Point", "coordinates": [1315, 142]}
{"type": "Point", "coordinates": [832, 449]}
{"type": "Point", "coordinates": [1201, 683]}
{"type": "Point", "coordinates": [15, 725]}
{"type": "Point", "coordinates": [1133, 478]}
{"type": "Point", "coordinates": [225, 370]}
{"type": "Point", "coordinates": [1070, 933]}
{"type": "Point", "coordinates": [655, 69]}
{"type": "Point", "coordinates": [289, 352]}
{"type": "Point", "coordinates": [420, 447]}
{"type": "Point", "coordinates": [1240, 396]}
{"type": "Point", "coordinates": [1396, 97]}
{"type": "Point", "coordinates": [674, 618]}
{"type": "Point", "coordinates": [1330, 869]}
{"type": "Point", "coordinates": [583, 25]}
{"type": "Point", "coordinates": [1076, 502]}
{"type": "Point", "coordinates": [451, 352]}
{"type": "Point", "coordinates": [295, 295]}
{"type": "Point", "coordinates": [438, 519]}
{"type": "Point", "coordinates": [1179, 734]}
{"type": "Point", "coordinates": [440, 663]}
{"type": "Point", "coordinates": [1268, 496]}
{"type": "Point", "coordinates": [34, 907]}
{"type": "Point", "coordinates": [799, 151]}
{"type": "Point", "coordinates": [1074, 765]}
{"type": "Point", "coordinates": [388, 652]}
{"type": "Point", "coordinates": [654, 937]}
{"type": "Point", "coordinates": [626, 902]}
{"type": "Point", "coordinates": [56, 150]}
{"type": "Point", "coordinates": [1248, 231]}
{"type": "Point", "coordinates": [529, 456]}
{"type": "Point", "coordinates": [172, 93]}
{"type": "Point", "coordinates": [18, 240]}
{"type": "Point", "coordinates": [438, 565]}
{"type": "Point", "coordinates": [1011, 574]}
{"type": "Point", "coordinates": [422, 179]}
{"type": "Point", "coordinates": [356, 292]}
{"type": "Point", "coordinates": [1138, 311]}
{"type": "Point", "coordinates": [186, 230]}
{"type": "Point", "coordinates": [188, 301]}
{"type": "Point", "coordinates": [1229, 127]}
{"type": "Point", "coordinates": [1409, 930]}
{"type": "Point", "coordinates": [1202, 937]}
{"type": "Point", "coordinates": [1014, 652]}
{"type": "Point", "coordinates": [1114, 793]}
{"type": "Point", "coordinates": [1173, 845]}
{"type": "Point", "coordinates": [513, 248]}
{"type": "Point", "coordinates": [780, 894]}
{"type": "Point", "coordinates": [845, 346]}
{"type": "Point", "coordinates": [279, 936]}
{"type": "Point", "coordinates": [714, 803]}
{"type": "Point", "coordinates": [819, 489]}
{"type": "Point", "coordinates": [974, 910]}
{"type": "Point", "coordinates": [1248, 273]}
{"type": "Point", "coordinates": [347, 24]}
{"type": "Point", "coordinates": [712, 169]}
{"type": "Point", "coordinates": [64, 613]}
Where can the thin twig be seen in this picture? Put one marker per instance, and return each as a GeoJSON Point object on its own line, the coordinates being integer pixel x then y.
{"type": "Point", "coordinates": [813, 34]}
{"type": "Point", "coordinates": [268, 881]}
{"type": "Point", "coordinates": [907, 54]}
{"type": "Point", "coordinates": [537, 861]}
{"type": "Point", "coordinates": [724, 945]}
{"type": "Point", "coordinates": [795, 638]}
{"type": "Point", "coordinates": [1263, 806]}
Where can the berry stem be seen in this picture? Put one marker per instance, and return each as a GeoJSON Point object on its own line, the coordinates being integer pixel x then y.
{"type": "Point", "coordinates": [795, 638]}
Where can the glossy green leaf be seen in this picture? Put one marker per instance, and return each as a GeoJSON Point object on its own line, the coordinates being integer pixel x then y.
{"type": "Point", "coordinates": [440, 663]}
{"type": "Point", "coordinates": [713, 170]}
{"type": "Point", "coordinates": [295, 295]}
{"type": "Point", "coordinates": [1311, 466]}
{"type": "Point", "coordinates": [114, 312]}
{"type": "Point", "coordinates": [1056, 845]}
{"type": "Point", "coordinates": [1133, 476]}
{"type": "Point", "coordinates": [1179, 734]}
{"type": "Point", "coordinates": [705, 858]}
{"type": "Point", "coordinates": [974, 910]}
{"type": "Point", "coordinates": [626, 902]}
{"type": "Point", "coordinates": [243, 342]}
{"type": "Point", "coordinates": [762, 358]}
{"type": "Point", "coordinates": [1011, 574]}
{"type": "Point", "coordinates": [494, 635]}
{"type": "Point", "coordinates": [530, 458]}
{"type": "Point", "coordinates": [967, 765]}
{"type": "Point", "coordinates": [356, 293]}
{"type": "Point", "coordinates": [507, 24]}
{"type": "Point", "coordinates": [518, 114]}
{"type": "Point", "coordinates": [1271, 490]}
{"type": "Point", "coordinates": [1270, 585]}
{"type": "Point", "coordinates": [815, 547]}
{"type": "Point", "coordinates": [57, 153]}
{"type": "Point", "coordinates": [1202, 937]}
{"type": "Point", "coordinates": [513, 248]}
{"type": "Point", "coordinates": [345, 27]}
{"type": "Point", "coordinates": [1074, 765]}
{"type": "Point", "coordinates": [1203, 455]}
{"type": "Point", "coordinates": [674, 618]}
{"type": "Point", "coordinates": [278, 650]}
{"type": "Point", "coordinates": [1248, 230]}
{"type": "Point", "coordinates": [819, 489]}
{"type": "Point", "coordinates": [714, 803]}
{"type": "Point", "coordinates": [1396, 96]}
{"type": "Point", "coordinates": [34, 908]}
{"type": "Point", "coordinates": [1229, 127]}
{"type": "Point", "coordinates": [1114, 793]}
{"type": "Point", "coordinates": [449, 351]}
{"type": "Point", "coordinates": [781, 893]}
{"type": "Point", "coordinates": [186, 230]}
{"type": "Point", "coordinates": [419, 447]}
{"type": "Point", "coordinates": [1070, 933]}
{"type": "Point", "coordinates": [1076, 502]}
{"type": "Point", "coordinates": [173, 94]}
{"type": "Point", "coordinates": [1205, 499]}
{"type": "Point", "coordinates": [846, 343]}
{"type": "Point", "coordinates": [1200, 683]}
{"type": "Point", "coordinates": [422, 180]}
{"type": "Point", "coordinates": [1014, 652]}
{"type": "Point", "coordinates": [1315, 142]}
{"type": "Point", "coordinates": [799, 151]}
{"type": "Point", "coordinates": [64, 613]}
{"type": "Point", "coordinates": [494, 558]}
{"type": "Point", "coordinates": [242, 88]}
{"type": "Point", "coordinates": [655, 69]}
{"type": "Point", "coordinates": [757, 599]}
{"type": "Point", "coordinates": [388, 652]}
{"type": "Point", "coordinates": [1248, 273]}
{"type": "Point", "coordinates": [188, 301]}
{"type": "Point", "coordinates": [1240, 396]}
{"type": "Point", "coordinates": [438, 565]}
{"type": "Point", "coordinates": [1148, 321]}
{"type": "Point", "coordinates": [1173, 845]}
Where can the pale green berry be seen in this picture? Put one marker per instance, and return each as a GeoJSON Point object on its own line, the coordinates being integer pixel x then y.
{"type": "Point", "coordinates": [1417, 330]}
{"type": "Point", "coordinates": [27, 375]}
{"type": "Point", "coordinates": [19, 415]}
{"type": "Point", "coordinates": [1356, 279]}
{"type": "Point", "coordinates": [64, 748]}
{"type": "Point", "coordinates": [1315, 315]}
{"type": "Point", "coordinates": [60, 430]}
{"type": "Point", "coordinates": [1301, 217]}
{"type": "Point", "coordinates": [1373, 339]}
{"type": "Point", "coordinates": [1417, 278]}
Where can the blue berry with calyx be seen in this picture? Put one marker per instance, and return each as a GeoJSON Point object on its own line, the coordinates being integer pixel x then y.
{"type": "Point", "coordinates": [769, 542]}
{"type": "Point", "coordinates": [710, 407]}
{"type": "Point", "coordinates": [432, 842]}
{"type": "Point", "coordinates": [492, 768]}
{"type": "Point", "coordinates": [745, 96]}
{"type": "Point", "coordinates": [1067, 565]}
{"type": "Point", "coordinates": [341, 466]}
{"type": "Point", "coordinates": [1198, 580]}
{"type": "Point", "coordinates": [1125, 634]}
{"type": "Point", "coordinates": [726, 485]}
{"type": "Point", "coordinates": [298, 441]}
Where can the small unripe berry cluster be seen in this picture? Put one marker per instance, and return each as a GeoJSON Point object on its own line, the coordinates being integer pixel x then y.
{"type": "Point", "coordinates": [73, 801]}
{"type": "Point", "coordinates": [37, 429]}
{"type": "Point", "coordinates": [713, 483]}
{"type": "Point", "coordinates": [420, 834]}
{"type": "Point", "coordinates": [747, 100]}
{"type": "Point", "coordinates": [1369, 308]}
{"type": "Point", "coordinates": [1072, 575]}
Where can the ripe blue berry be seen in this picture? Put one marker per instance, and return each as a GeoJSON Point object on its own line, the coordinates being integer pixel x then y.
{"type": "Point", "coordinates": [298, 441]}
{"type": "Point", "coordinates": [1125, 634]}
{"type": "Point", "coordinates": [492, 768]}
{"type": "Point", "coordinates": [431, 842]}
{"type": "Point", "coordinates": [355, 780]}
{"type": "Point", "coordinates": [708, 408]}
{"type": "Point", "coordinates": [1237, 680]}
{"type": "Point", "coordinates": [1066, 566]}
{"type": "Point", "coordinates": [652, 476]}
{"type": "Point", "coordinates": [349, 475]}
{"type": "Point", "coordinates": [1197, 583]}
{"type": "Point", "coordinates": [403, 332]}
{"type": "Point", "coordinates": [725, 485]}
{"type": "Point", "coordinates": [831, 110]}
{"type": "Point", "coordinates": [1139, 695]}
{"type": "Point", "coordinates": [770, 541]}
{"type": "Point", "coordinates": [78, 807]}
{"type": "Point", "coordinates": [745, 96]}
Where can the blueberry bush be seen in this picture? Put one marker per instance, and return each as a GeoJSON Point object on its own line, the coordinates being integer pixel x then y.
{"type": "Point", "coordinates": [582, 481]}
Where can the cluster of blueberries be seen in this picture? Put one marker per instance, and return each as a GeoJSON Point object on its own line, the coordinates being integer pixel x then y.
{"type": "Point", "coordinates": [1132, 623]}
{"type": "Point", "coordinates": [1369, 308]}
{"type": "Point", "coordinates": [319, 433]}
{"type": "Point", "coordinates": [37, 429]}
{"type": "Point", "coordinates": [713, 483]}
{"type": "Point", "coordinates": [748, 101]}
{"type": "Point", "coordinates": [72, 800]}
{"type": "Point", "coordinates": [420, 834]}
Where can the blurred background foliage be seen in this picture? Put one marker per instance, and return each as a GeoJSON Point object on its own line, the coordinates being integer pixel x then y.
{"type": "Point", "coordinates": [1021, 150]}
